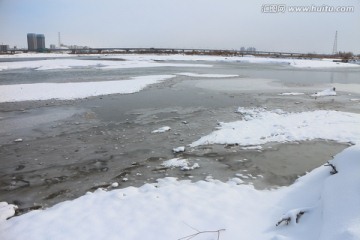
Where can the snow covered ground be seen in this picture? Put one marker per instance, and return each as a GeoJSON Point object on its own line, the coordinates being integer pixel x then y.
{"type": "Point", "coordinates": [139, 61]}
{"type": "Point", "coordinates": [298, 63]}
{"type": "Point", "coordinates": [52, 64]}
{"type": "Point", "coordinates": [318, 206]}
{"type": "Point", "coordinates": [67, 91]}
{"type": "Point", "coordinates": [36, 55]}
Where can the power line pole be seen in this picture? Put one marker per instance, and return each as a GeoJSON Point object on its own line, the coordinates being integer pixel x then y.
{"type": "Point", "coordinates": [335, 51]}
{"type": "Point", "coordinates": [59, 40]}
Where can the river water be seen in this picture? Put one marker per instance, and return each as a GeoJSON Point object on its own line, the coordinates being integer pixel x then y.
{"type": "Point", "coordinates": [71, 147]}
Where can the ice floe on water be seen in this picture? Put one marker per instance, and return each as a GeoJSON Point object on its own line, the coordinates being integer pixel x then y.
{"type": "Point", "coordinates": [207, 75]}
{"type": "Point", "coordinates": [291, 94]}
{"type": "Point", "coordinates": [75, 90]}
{"type": "Point", "coordinates": [324, 93]}
{"type": "Point", "coordinates": [162, 129]}
{"type": "Point", "coordinates": [259, 126]}
{"type": "Point", "coordinates": [179, 149]}
{"type": "Point", "coordinates": [252, 148]}
{"type": "Point", "coordinates": [183, 164]}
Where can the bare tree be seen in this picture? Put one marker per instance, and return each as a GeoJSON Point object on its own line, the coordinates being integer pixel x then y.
{"type": "Point", "coordinates": [201, 232]}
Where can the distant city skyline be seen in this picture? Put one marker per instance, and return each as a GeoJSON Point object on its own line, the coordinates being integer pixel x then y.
{"type": "Point", "coordinates": [210, 24]}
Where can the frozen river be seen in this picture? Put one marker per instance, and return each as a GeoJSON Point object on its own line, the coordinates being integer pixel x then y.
{"type": "Point", "coordinates": [70, 147]}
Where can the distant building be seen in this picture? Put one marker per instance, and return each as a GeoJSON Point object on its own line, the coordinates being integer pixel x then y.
{"type": "Point", "coordinates": [251, 50]}
{"type": "Point", "coordinates": [32, 42]}
{"type": "Point", "coordinates": [40, 41]}
{"type": "Point", "coordinates": [36, 42]}
{"type": "Point", "coordinates": [52, 46]}
{"type": "Point", "coordinates": [4, 48]}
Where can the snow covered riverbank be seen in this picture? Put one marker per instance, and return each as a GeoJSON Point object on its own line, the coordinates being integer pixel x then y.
{"type": "Point", "coordinates": [319, 205]}
{"type": "Point", "coordinates": [173, 209]}
{"type": "Point", "coordinates": [120, 61]}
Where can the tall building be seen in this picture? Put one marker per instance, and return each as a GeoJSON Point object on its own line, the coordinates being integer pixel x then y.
{"type": "Point", "coordinates": [4, 48]}
{"type": "Point", "coordinates": [36, 42]}
{"type": "Point", "coordinates": [32, 42]}
{"type": "Point", "coordinates": [40, 41]}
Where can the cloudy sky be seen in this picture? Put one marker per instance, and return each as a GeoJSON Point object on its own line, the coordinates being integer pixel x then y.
{"type": "Point", "coordinates": [216, 24]}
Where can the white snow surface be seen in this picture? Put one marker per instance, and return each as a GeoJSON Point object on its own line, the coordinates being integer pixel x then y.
{"type": "Point", "coordinates": [37, 55]}
{"type": "Point", "coordinates": [298, 63]}
{"type": "Point", "coordinates": [260, 126]}
{"type": "Point", "coordinates": [6, 211]}
{"type": "Point", "coordinates": [172, 209]}
{"type": "Point", "coordinates": [52, 64]}
{"type": "Point", "coordinates": [75, 90]}
{"type": "Point", "coordinates": [148, 60]}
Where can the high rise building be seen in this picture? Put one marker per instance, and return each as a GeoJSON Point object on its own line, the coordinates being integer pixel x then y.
{"type": "Point", "coordinates": [4, 48]}
{"type": "Point", "coordinates": [32, 42]}
{"type": "Point", "coordinates": [40, 41]}
{"type": "Point", "coordinates": [36, 42]}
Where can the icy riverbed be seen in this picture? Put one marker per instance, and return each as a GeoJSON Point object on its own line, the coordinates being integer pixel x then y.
{"type": "Point", "coordinates": [231, 177]}
{"type": "Point", "coordinates": [318, 206]}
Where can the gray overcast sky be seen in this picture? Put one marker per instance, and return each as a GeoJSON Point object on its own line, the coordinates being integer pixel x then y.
{"type": "Point", "coordinates": [221, 24]}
